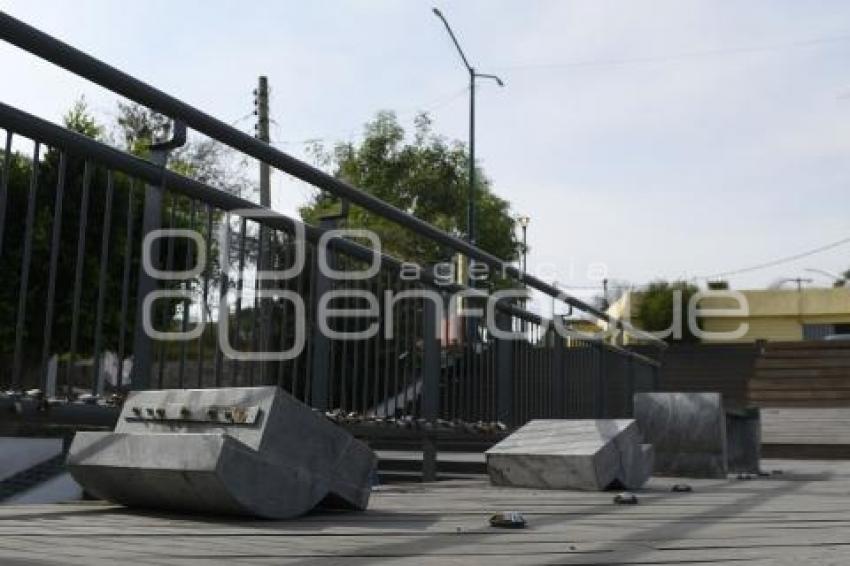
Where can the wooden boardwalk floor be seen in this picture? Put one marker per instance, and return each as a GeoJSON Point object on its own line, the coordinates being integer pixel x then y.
{"type": "Point", "coordinates": [799, 517]}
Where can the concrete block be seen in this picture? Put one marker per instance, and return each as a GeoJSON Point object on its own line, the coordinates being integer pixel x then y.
{"type": "Point", "coordinates": [245, 451]}
{"type": "Point", "coordinates": [572, 454]}
{"type": "Point", "coordinates": [743, 440]}
{"type": "Point", "coordinates": [687, 430]}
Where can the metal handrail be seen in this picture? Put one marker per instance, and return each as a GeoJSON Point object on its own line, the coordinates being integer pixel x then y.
{"type": "Point", "coordinates": [63, 55]}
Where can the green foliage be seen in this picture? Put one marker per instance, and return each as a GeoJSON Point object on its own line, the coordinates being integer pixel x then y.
{"type": "Point", "coordinates": [79, 119]}
{"type": "Point", "coordinates": [427, 178]}
{"type": "Point", "coordinates": [656, 308]}
{"type": "Point", "coordinates": [201, 160]}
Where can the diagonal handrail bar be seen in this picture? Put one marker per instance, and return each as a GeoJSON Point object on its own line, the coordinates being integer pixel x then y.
{"type": "Point", "coordinates": [63, 55]}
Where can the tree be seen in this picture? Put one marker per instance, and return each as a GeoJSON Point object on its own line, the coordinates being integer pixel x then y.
{"type": "Point", "coordinates": [135, 127]}
{"type": "Point", "coordinates": [656, 307]}
{"type": "Point", "coordinates": [426, 178]}
{"type": "Point", "coordinates": [845, 277]}
{"type": "Point", "coordinates": [203, 159]}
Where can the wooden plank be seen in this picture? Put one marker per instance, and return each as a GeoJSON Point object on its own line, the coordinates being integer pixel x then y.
{"type": "Point", "coordinates": [784, 363]}
{"type": "Point", "coordinates": [800, 517]}
{"type": "Point", "coordinates": [802, 372]}
{"type": "Point", "coordinates": [799, 395]}
{"type": "Point", "coordinates": [791, 383]}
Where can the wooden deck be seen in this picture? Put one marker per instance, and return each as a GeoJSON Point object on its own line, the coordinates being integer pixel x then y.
{"type": "Point", "coordinates": [799, 517]}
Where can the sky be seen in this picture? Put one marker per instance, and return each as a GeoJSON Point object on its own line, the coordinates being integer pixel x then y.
{"type": "Point", "coordinates": [645, 140]}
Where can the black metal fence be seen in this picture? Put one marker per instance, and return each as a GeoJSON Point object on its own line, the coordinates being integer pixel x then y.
{"type": "Point", "coordinates": [76, 217]}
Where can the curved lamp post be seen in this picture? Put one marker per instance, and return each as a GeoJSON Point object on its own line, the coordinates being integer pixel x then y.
{"type": "Point", "coordinates": [473, 74]}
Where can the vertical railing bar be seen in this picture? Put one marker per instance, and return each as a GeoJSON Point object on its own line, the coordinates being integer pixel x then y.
{"type": "Point", "coordinates": [470, 369]}
{"type": "Point", "coordinates": [302, 365]}
{"type": "Point", "coordinates": [240, 284]}
{"type": "Point", "coordinates": [223, 309]}
{"type": "Point", "coordinates": [54, 262]}
{"type": "Point", "coordinates": [397, 318]}
{"type": "Point", "coordinates": [360, 362]}
{"type": "Point", "coordinates": [206, 294]}
{"type": "Point", "coordinates": [255, 318]}
{"type": "Point", "coordinates": [376, 378]}
{"type": "Point", "coordinates": [265, 305]}
{"type": "Point", "coordinates": [187, 285]}
{"type": "Point", "coordinates": [25, 271]}
{"type": "Point", "coordinates": [463, 381]}
{"type": "Point", "coordinates": [367, 349]}
{"type": "Point", "coordinates": [4, 183]}
{"type": "Point", "coordinates": [97, 387]}
{"type": "Point", "coordinates": [341, 387]}
{"type": "Point", "coordinates": [286, 285]}
{"type": "Point", "coordinates": [408, 361]}
{"type": "Point", "coordinates": [78, 276]}
{"type": "Point", "coordinates": [125, 286]}
{"type": "Point", "coordinates": [305, 288]}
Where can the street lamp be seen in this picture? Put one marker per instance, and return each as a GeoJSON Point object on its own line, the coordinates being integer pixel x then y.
{"type": "Point", "coordinates": [837, 279]}
{"type": "Point", "coordinates": [523, 222]}
{"type": "Point", "coordinates": [798, 280]}
{"type": "Point", "coordinates": [470, 210]}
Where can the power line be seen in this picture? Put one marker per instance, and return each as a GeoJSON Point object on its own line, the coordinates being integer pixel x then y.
{"type": "Point", "coordinates": [764, 265]}
{"type": "Point", "coordinates": [430, 106]}
{"type": "Point", "coordinates": [677, 56]}
{"type": "Point", "coordinates": [775, 262]}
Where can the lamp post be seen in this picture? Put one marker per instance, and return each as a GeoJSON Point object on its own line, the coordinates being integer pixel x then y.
{"type": "Point", "coordinates": [523, 222]}
{"type": "Point", "coordinates": [838, 280]}
{"type": "Point", "coordinates": [473, 74]}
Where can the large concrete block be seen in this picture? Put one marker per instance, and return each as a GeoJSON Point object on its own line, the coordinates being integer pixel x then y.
{"type": "Point", "coordinates": [247, 451]}
{"type": "Point", "coordinates": [687, 430]}
{"type": "Point", "coordinates": [572, 454]}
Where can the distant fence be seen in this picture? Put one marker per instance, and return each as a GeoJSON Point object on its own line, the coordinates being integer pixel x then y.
{"type": "Point", "coordinates": [802, 374]}
{"type": "Point", "coordinates": [725, 368]}
{"type": "Point", "coordinates": [763, 374]}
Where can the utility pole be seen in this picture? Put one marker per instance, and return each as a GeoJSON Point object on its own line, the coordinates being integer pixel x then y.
{"type": "Point", "coordinates": [261, 109]}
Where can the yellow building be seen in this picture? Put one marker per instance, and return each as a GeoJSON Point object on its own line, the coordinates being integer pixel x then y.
{"type": "Point", "coordinates": [768, 314]}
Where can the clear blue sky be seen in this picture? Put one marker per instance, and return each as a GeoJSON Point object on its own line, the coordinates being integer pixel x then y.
{"type": "Point", "coordinates": [663, 139]}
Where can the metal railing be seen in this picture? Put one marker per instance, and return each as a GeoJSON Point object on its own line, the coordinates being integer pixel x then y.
{"type": "Point", "coordinates": [73, 271]}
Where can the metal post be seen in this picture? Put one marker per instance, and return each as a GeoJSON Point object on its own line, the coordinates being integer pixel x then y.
{"type": "Point", "coordinates": [431, 362]}
{"type": "Point", "coordinates": [262, 104]}
{"type": "Point", "coordinates": [151, 220]}
{"type": "Point", "coordinates": [525, 247]}
{"type": "Point", "coordinates": [320, 377]}
{"type": "Point", "coordinates": [264, 306]}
